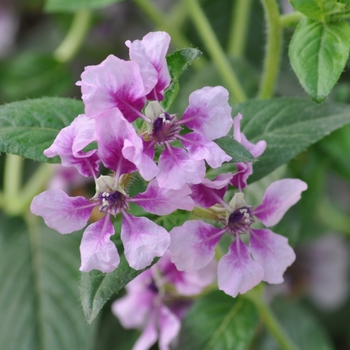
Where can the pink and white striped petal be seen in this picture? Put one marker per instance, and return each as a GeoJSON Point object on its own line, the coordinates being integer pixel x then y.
{"type": "Point", "coordinates": [209, 112]}
{"type": "Point", "coordinates": [143, 240]}
{"type": "Point", "coordinates": [278, 198]}
{"type": "Point", "coordinates": [193, 245]}
{"type": "Point", "coordinates": [113, 83]}
{"type": "Point", "coordinates": [200, 147]}
{"type": "Point", "coordinates": [272, 252]}
{"type": "Point", "coordinates": [163, 201]}
{"type": "Point", "coordinates": [97, 251]}
{"type": "Point", "coordinates": [176, 169]}
{"type": "Point", "coordinates": [62, 213]}
{"type": "Point", "coordinates": [150, 54]}
{"type": "Point", "coordinates": [237, 272]}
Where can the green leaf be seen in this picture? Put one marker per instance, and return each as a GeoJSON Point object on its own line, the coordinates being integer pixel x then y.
{"type": "Point", "coordinates": [301, 326]}
{"type": "Point", "coordinates": [96, 288]}
{"type": "Point", "coordinates": [289, 126]}
{"type": "Point", "coordinates": [39, 297]}
{"type": "Point", "coordinates": [219, 322]}
{"type": "Point", "coordinates": [234, 149]}
{"type": "Point", "coordinates": [32, 75]}
{"type": "Point", "coordinates": [177, 62]}
{"type": "Point", "coordinates": [318, 9]}
{"type": "Point", "coordinates": [28, 127]}
{"type": "Point", "coordinates": [72, 6]}
{"type": "Point", "coordinates": [318, 53]}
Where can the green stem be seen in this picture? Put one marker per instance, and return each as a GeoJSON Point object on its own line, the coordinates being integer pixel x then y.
{"type": "Point", "coordinates": [72, 42]}
{"type": "Point", "coordinates": [12, 183]}
{"type": "Point", "coordinates": [269, 319]}
{"type": "Point", "coordinates": [239, 28]}
{"type": "Point", "coordinates": [332, 217]}
{"type": "Point", "coordinates": [291, 19]}
{"type": "Point", "coordinates": [35, 185]}
{"type": "Point", "coordinates": [161, 21]}
{"type": "Point", "coordinates": [273, 49]}
{"type": "Point", "coordinates": [215, 50]}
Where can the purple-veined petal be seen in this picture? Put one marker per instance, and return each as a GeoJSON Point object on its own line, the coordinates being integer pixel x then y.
{"type": "Point", "coordinates": [62, 213]}
{"type": "Point", "coordinates": [143, 240]}
{"type": "Point", "coordinates": [278, 198]}
{"type": "Point", "coordinates": [71, 141]}
{"type": "Point", "coordinates": [150, 334]}
{"type": "Point", "coordinates": [193, 245]}
{"type": "Point", "coordinates": [200, 147]}
{"type": "Point", "coordinates": [163, 201]}
{"type": "Point", "coordinates": [237, 272]}
{"type": "Point", "coordinates": [113, 83]}
{"type": "Point", "coordinates": [169, 327]}
{"type": "Point", "coordinates": [177, 169]}
{"type": "Point", "coordinates": [112, 131]}
{"type": "Point", "coordinates": [209, 112]}
{"type": "Point", "coordinates": [97, 251]}
{"type": "Point", "coordinates": [272, 252]}
{"type": "Point", "coordinates": [239, 179]}
{"type": "Point", "coordinates": [208, 193]}
{"type": "Point", "coordinates": [149, 53]}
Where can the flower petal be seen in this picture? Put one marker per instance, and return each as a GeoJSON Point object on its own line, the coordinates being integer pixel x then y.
{"type": "Point", "coordinates": [62, 213]}
{"type": "Point", "coordinates": [163, 201]}
{"type": "Point", "coordinates": [149, 53]}
{"type": "Point", "coordinates": [71, 141]}
{"type": "Point", "coordinates": [237, 272]}
{"type": "Point", "coordinates": [208, 193]}
{"type": "Point", "coordinates": [113, 83]}
{"type": "Point", "coordinates": [200, 147]}
{"type": "Point", "coordinates": [177, 169]}
{"type": "Point", "coordinates": [272, 252]}
{"type": "Point", "coordinates": [193, 245]}
{"type": "Point", "coordinates": [150, 333]}
{"type": "Point", "coordinates": [278, 198]}
{"type": "Point", "coordinates": [143, 240]}
{"type": "Point", "coordinates": [169, 327]}
{"type": "Point", "coordinates": [239, 179]}
{"type": "Point", "coordinates": [97, 251]}
{"type": "Point", "coordinates": [209, 112]}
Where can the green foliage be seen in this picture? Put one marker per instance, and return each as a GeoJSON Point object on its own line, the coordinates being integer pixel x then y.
{"type": "Point", "coordinates": [96, 288]}
{"type": "Point", "coordinates": [72, 6]}
{"type": "Point", "coordinates": [318, 53]}
{"type": "Point", "coordinates": [319, 9]}
{"type": "Point", "coordinates": [38, 298]}
{"type": "Point", "coordinates": [28, 127]}
{"type": "Point", "coordinates": [289, 126]}
{"type": "Point", "coordinates": [218, 321]}
{"type": "Point", "coordinates": [177, 62]}
{"type": "Point", "coordinates": [234, 149]}
{"type": "Point", "coordinates": [301, 326]}
{"type": "Point", "coordinates": [32, 75]}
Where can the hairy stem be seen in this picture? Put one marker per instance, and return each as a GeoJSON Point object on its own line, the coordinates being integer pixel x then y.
{"type": "Point", "coordinates": [290, 19]}
{"type": "Point", "coordinates": [273, 49]}
{"type": "Point", "coordinates": [239, 28]}
{"type": "Point", "coordinates": [73, 40]}
{"type": "Point", "coordinates": [215, 50]}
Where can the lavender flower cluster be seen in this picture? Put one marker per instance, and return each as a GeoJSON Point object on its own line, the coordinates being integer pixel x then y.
{"type": "Point", "coordinates": [116, 93]}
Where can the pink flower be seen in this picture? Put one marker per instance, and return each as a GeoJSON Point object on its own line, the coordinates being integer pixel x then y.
{"type": "Point", "coordinates": [150, 306]}
{"type": "Point", "coordinates": [143, 239]}
{"type": "Point", "coordinates": [71, 141]}
{"type": "Point", "coordinates": [268, 255]}
{"type": "Point", "coordinates": [245, 169]}
{"type": "Point", "coordinates": [127, 85]}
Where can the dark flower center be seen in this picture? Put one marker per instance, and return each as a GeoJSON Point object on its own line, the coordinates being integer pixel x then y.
{"type": "Point", "coordinates": [240, 220]}
{"type": "Point", "coordinates": [165, 128]}
{"type": "Point", "coordinates": [112, 202]}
